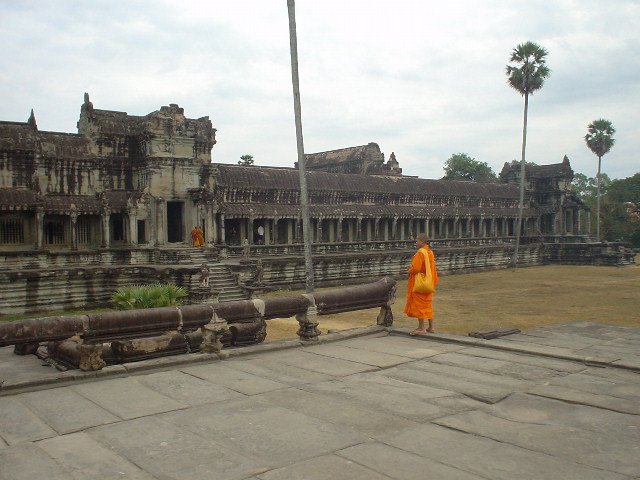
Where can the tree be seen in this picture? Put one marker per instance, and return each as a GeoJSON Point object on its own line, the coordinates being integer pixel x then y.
{"type": "Point", "coordinates": [620, 204]}
{"type": "Point", "coordinates": [246, 160]}
{"type": "Point", "coordinates": [599, 139]}
{"type": "Point", "coordinates": [461, 166]}
{"type": "Point", "coordinates": [526, 75]}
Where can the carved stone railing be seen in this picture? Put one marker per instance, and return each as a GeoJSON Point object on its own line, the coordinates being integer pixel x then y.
{"type": "Point", "coordinates": [91, 341]}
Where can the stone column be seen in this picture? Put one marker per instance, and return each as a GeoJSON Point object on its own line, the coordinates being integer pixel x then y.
{"type": "Point", "coordinates": [376, 229]}
{"type": "Point", "coordinates": [359, 229]}
{"type": "Point", "coordinates": [249, 234]}
{"type": "Point", "coordinates": [319, 229]}
{"type": "Point", "coordinates": [394, 228]}
{"type": "Point", "coordinates": [133, 226]}
{"type": "Point", "coordinates": [74, 230]}
{"type": "Point", "coordinates": [268, 225]}
{"type": "Point", "coordinates": [106, 231]}
{"type": "Point", "coordinates": [209, 225]}
{"type": "Point", "coordinates": [160, 219]}
{"type": "Point", "coordinates": [470, 227]}
{"type": "Point", "coordinates": [223, 232]}
{"type": "Point", "coordinates": [39, 227]}
{"type": "Point", "coordinates": [588, 223]}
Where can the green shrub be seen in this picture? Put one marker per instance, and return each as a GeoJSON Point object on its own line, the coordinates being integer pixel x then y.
{"type": "Point", "coordinates": [148, 296]}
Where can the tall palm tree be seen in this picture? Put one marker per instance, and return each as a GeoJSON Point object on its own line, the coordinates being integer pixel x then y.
{"type": "Point", "coordinates": [526, 74]}
{"type": "Point", "coordinates": [304, 202]}
{"type": "Point", "coordinates": [599, 140]}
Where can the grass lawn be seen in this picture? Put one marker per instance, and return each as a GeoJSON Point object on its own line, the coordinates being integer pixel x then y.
{"type": "Point", "coordinates": [525, 298]}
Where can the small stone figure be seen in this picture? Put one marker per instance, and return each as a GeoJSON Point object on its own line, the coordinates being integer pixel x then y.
{"type": "Point", "coordinates": [204, 275]}
{"type": "Point", "coordinates": [246, 250]}
{"type": "Point", "coordinates": [259, 272]}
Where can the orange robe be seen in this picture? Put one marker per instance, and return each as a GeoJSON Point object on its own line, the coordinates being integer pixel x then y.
{"type": "Point", "coordinates": [420, 305]}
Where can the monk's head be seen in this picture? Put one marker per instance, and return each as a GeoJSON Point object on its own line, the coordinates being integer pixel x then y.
{"type": "Point", "coordinates": [422, 239]}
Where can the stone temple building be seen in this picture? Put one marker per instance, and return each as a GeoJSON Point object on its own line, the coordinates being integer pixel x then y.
{"type": "Point", "coordinates": [115, 204]}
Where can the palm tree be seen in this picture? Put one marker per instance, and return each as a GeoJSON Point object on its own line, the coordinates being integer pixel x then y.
{"type": "Point", "coordinates": [526, 74]}
{"type": "Point", "coordinates": [599, 140]}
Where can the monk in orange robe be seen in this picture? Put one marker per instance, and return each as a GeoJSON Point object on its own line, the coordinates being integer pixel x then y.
{"type": "Point", "coordinates": [420, 305]}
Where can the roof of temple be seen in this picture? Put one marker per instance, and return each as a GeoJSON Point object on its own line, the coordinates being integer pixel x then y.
{"type": "Point", "coordinates": [23, 136]}
{"type": "Point", "coordinates": [357, 210]}
{"type": "Point", "coordinates": [562, 169]}
{"type": "Point", "coordinates": [279, 178]}
{"type": "Point", "coordinates": [370, 151]}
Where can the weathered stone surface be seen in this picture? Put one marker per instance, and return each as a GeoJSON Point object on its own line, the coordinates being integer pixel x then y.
{"type": "Point", "coordinates": [27, 461]}
{"type": "Point", "coordinates": [519, 359]}
{"type": "Point", "coordinates": [19, 424]}
{"type": "Point", "coordinates": [489, 458]}
{"type": "Point", "coordinates": [375, 359]}
{"type": "Point", "coordinates": [329, 467]}
{"type": "Point", "coordinates": [341, 411]}
{"type": "Point", "coordinates": [402, 346]}
{"type": "Point", "coordinates": [234, 379]}
{"type": "Point", "coordinates": [497, 367]}
{"type": "Point", "coordinates": [65, 410]}
{"type": "Point", "coordinates": [174, 451]}
{"type": "Point", "coordinates": [379, 392]}
{"type": "Point", "coordinates": [577, 396]}
{"type": "Point", "coordinates": [612, 450]}
{"type": "Point", "coordinates": [187, 389]}
{"type": "Point", "coordinates": [85, 458]}
{"type": "Point", "coordinates": [267, 368]}
{"type": "Point", "coordinates": [403, 465]}
{"type": "Point", "coordinates": [260, 430]}
{"type": "Point", "coordinates": [126, 397]}
{"type": "Point", "coordinates": [322, 364]}
{"type": "Point", "coordinates": [585, 382]}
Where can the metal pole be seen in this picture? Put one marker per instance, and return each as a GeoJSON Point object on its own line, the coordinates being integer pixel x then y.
{"type": "Point", "coordinates": [306, 225]}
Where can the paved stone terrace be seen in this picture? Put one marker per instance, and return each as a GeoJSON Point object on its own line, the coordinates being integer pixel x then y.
{"type": "Point", "coordinates": [555, 403]}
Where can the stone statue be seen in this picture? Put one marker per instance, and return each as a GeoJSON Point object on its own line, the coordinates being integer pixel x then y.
{"type": "Point", "coordinates": [259, 272]}
{"type": "Point", "coordinates": [204, 275]}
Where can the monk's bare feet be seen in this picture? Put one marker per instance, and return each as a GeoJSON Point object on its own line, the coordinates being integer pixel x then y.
{"type": "Point", "coordinates": [418, 332]}
{"type": "Point", "coordinates": [430, 330]}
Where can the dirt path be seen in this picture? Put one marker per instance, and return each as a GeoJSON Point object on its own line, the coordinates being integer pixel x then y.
{"type": "Point", "coordinates": [524, 298]}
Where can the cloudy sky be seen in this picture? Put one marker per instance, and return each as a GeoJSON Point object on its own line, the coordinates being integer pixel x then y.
{"type": "Point", "coordinates": [422, 78]}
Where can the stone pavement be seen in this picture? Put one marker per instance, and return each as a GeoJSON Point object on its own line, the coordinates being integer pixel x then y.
{"type": "Point", "coordinates": [555, 403]}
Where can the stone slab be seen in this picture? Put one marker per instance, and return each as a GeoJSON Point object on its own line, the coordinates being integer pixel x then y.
{"type": "Point", "coordinates": [27, 461]}
{"type": "Point", "coordinates": [382, 393]}
{"type": "Point", "coordinates": [126, 397]}
{"type": "Point", "coordinates": [173, 451]}
{"type": "Point", "coordinates": [326, 467]}
{"type": "Point", "coordinates": [19, 424]}
{"type": "Point", "coordinates": [87, 459]}
{"type": "Point", "coordinates": [65, 410]}
{"type": "Point", "coordinates": [234, 379]}
{"type": "Point", "coordinates": [341, 411]}
{"type": "Point", "coordinates": [577, 396]}
{"type": "Point", "coordinates": [520, 359]}
{"type": "Point", "coordinates": [321, 363]}
{"type": "Point", "coordinates": [187, 389]}
{"type": "Point", "coordinates": [491, 459]}
{"type": "Point", "coordinates": [402, 346]}
{"type": "Point", "coordinates": [572, 342]}
{"type": "Point", "coordinates": [545, 411]}
{"type": "Point", "coordinates": [273, 436]}
{"type": "Point", "coordinates": [611, 450]}
{"type": "Point", "coordinates": [375, 359]}
{"type": "Point", "coordinates": [402, 465]}
{"type": "Point", "coordinates": [599, 386]}
{"type": "Point", "coordinates": [477, 391]}
{"type": "Point", "coordinates": [265, 367]}
{"type": "Point", "coordinates": [496, 367]}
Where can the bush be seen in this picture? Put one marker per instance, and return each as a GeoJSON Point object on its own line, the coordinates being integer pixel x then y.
{"type": "Point", "coordinates": [148, 296]}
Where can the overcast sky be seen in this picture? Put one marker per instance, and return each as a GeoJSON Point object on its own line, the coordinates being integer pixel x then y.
{"type": "Point", "coordinates": [422, 78]}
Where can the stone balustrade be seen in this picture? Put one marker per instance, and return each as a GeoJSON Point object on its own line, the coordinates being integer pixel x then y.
{"type": "Point", "coordinates": [91, 341]}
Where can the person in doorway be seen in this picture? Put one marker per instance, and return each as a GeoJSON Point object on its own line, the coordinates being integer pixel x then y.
{"type": "Point", "coordinates": [200, 236]}
{"type": "Point", "coordinates": [420, 305]}
{"type": "Point", "coordinates": [197, 237]}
